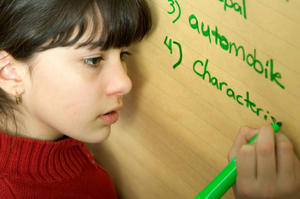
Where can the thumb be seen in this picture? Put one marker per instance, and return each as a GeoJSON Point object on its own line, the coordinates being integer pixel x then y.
{"type": "Point", "coordinates": [245, 134]}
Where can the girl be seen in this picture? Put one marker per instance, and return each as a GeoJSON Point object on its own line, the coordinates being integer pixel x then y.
{"type": "Point", "coordinates": [62, 79]}
{"type": "Point", "coordinates": [64, 63]}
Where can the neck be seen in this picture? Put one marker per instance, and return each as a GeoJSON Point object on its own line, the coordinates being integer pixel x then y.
{"type": "Point", "coordinates": [18, 126]}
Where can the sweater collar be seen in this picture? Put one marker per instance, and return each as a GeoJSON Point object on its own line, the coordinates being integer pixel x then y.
{"type": "Point", "coordinates": [37, 160]}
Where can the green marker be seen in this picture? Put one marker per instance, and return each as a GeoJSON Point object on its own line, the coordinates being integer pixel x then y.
{"type": "Point", "coordinates": [226, 178]}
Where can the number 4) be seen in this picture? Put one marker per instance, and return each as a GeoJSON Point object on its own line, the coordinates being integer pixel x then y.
{"type": "Point", "coordinates": [169, 43]}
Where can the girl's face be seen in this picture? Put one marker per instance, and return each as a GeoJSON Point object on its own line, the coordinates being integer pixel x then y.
{"type": "Point", "coordinates": [75, 92]}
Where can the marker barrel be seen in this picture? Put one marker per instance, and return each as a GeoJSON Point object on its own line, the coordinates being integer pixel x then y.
{"type": "Point", "coordinates": [221, 183]}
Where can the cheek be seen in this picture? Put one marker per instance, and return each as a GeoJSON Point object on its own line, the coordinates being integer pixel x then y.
{"type": "Point", "coordinates": [64, 100]}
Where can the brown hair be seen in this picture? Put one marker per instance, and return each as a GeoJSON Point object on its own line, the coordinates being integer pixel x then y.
{"type": "Point", "coordinates": [31, 26]}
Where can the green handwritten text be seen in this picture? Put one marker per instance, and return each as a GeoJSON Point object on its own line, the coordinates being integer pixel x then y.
{"type": "Point", "coordinates": [174, 4]}
{"type": "Point", "coordinates": [266, 69]}
{"type": "Point", "coordinates": [169, 44]}
{"type": "Point", "coordinates": [236, 6]}
{"type": "Point", "coordinates": [201, 69]}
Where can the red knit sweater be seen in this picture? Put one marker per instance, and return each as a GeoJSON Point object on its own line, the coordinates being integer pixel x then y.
{"type": "Point", "coordinates": [65, 169]}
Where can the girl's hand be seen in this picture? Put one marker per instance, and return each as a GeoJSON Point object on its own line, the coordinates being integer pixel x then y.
{"type": "Point", "coordinates": [269, 168]}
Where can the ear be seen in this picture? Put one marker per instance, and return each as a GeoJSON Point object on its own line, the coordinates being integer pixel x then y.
{"type": "Point", "coordinates": [12, 74]}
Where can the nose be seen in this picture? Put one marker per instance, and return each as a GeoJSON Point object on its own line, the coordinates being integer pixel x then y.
{"type": "Point", "coordinates": [119, 83]}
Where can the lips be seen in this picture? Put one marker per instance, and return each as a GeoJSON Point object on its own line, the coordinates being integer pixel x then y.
{"type": "Point", "coordinates": [111, 117]}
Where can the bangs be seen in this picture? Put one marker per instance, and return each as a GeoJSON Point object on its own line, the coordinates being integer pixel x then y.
{"type": "Point", "coordinates": [101, 24]}
{"type": "Point", "coordinates": [125, 21]}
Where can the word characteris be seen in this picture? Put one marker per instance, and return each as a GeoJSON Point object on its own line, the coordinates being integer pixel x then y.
{"type": "Point", "coordinates": [201, 69]}
{"type": "Point", "coordinates": [236, 6]}
{"type": "Point", "coordinates": [214, 36]}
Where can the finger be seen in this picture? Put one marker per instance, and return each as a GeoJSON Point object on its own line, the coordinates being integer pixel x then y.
{"type": "Point", "coordinates": [246, 184]}
{"type": "Point", "coordinates": [265, 151]}
{"type": "Point", "coordinates": [297, 170]}
{"type": "Point", "coordinates": [285, 157]}
{"type": "Point", "coordinates": [246, 164]}
{"type": "Point", "coordinates": [234, 189]}
{"type": "Point", "coordinates": [244, 136]}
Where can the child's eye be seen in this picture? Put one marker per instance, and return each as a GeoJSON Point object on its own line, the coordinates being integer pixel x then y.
{"type": "Point", "coordinates": [93, 61]}
{"type": "Point", "coordinates": [124, 55]}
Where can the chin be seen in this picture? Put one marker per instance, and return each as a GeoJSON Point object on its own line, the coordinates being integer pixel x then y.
{"type": "Point", "coordinates": [97, 136]}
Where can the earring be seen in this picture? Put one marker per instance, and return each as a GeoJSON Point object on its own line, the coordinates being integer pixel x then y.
{"type": "Point", "coordinates": [18, 99]}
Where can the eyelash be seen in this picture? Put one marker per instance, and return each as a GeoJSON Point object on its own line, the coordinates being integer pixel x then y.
{"type": "Point", "coordinates": [91, 61]}
{"type": "Point", "coordinates": [94, 61]}
{"type": "Point", "coordinates": [124, 54]}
